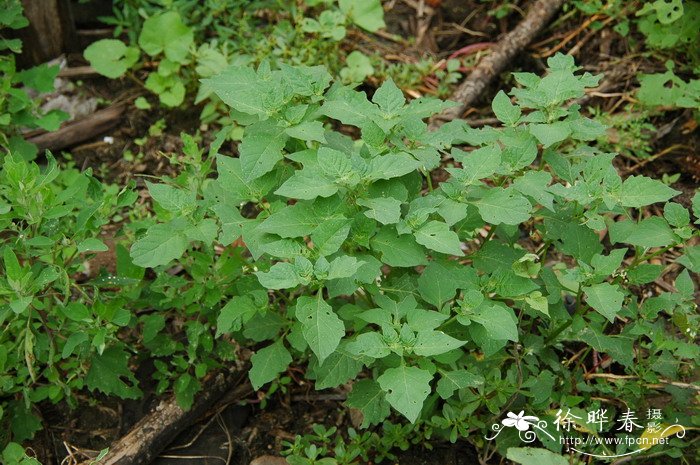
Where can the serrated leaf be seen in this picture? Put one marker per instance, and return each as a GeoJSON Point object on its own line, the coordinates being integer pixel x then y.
{"type": "Point", "coordinates": [240, 88]}
{"type": "Point", "coordinates": [330, 235]}
{"type": "Point", "coordinates": [399, 251]}
{"type": "Point", "coordinates": [498, 322]}
{"type": "Point", "coordinates": [504, 110]}
{"type": "Point", "coordinates": [406, 389]}
{"type": "Point", "coordinates": [478, 164]}
{"type": "Point", "coordinates": [550, 134]}
{"type": "Point", "coordinates": [605, 298]}
{"type": "Point", "coordinates": [308, 131]}
{"type": "Point", "coordinates": [389, 97]}
{"type": "Point", "coordinates": [323, 330]}
{"type": "Point", "coordinates": [650, 232]}
{"type": "Point", "coordinates": [437, 236]}
{"type": "Point", "coordinates": [171, 198]}
{"type": "Point", "coordinates": [292, 221]}
{"type": "Point", "coordinates": [534, 184]}
{"type": "Point", "coordinates": [676, 215]}
{"type": "Point", "coordinates": [110, 374]}
{"type": "Point", "coordinates": [505, 206]}
{"type": "Point", "coordinates": [639, 191]}
{"type": "Point", "coordinates": [159, 246]}
{"type": "Point", "coordinates": [390, 166]}
{"type": "Point", "coordinates": [429, 343]}
{"type": "Point", "coordinates": [343, 267]}
{"type": "Point", "coordinates": [237, 311]}
{"type": "Point", "coordinates": [350, 107]}
{"type": "Point", "coordinates": [282, 275]}
{"type": "Point", "coordinates": [267, 363]}
{"type": "Point", "coordinates": [340, 367]}
{"type": "Point", "coordinates": [451, 381]}
{"type": "Point", "coordinates": [368, 397]}
{"type": "Point", "coordinates": [307, 184]}
{"type": "Point", "coordinates": [369, 344]}
{"type": "Point", "coordinates": [440, 280]}
{"type": "Point", "coordinates": [261, 149]}
{"type": "Point", "coordinates": [386, 210]}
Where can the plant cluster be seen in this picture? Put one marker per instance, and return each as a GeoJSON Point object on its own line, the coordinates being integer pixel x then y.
{"type": "Point", "coordinates": [190, 41]}
{"type": "Point", "coordinates": [458, 299]}
{"type": "Point", "coordinates": [448, 275]}
{"type": "Point", "coordinates": [19, 108]}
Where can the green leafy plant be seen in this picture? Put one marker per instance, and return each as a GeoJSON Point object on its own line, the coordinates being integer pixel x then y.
{"type": "Point", "coordinates": [455, 300]}
{"type": "Point", "coordinates": [176, 40]}
{"type": "Point", "coordinates": [18, 109]}
{"type": "Point", "coordinates": [59, 333]}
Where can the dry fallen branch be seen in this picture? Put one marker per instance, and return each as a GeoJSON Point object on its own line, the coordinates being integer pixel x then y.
{"type": "Point", "coordinates": [507, 48]}
{"type": "Point", "coordinates": [78, 131]}
{"type": "Point", "coordinates": [156, 430]}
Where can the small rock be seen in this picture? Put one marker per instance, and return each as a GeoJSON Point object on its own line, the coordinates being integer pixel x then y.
{"type": "Point", "coordinates": [269, 460]}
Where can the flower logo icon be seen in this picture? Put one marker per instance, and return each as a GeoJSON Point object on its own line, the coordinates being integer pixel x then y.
{"type": "Point", "coordinates": [521, 421]}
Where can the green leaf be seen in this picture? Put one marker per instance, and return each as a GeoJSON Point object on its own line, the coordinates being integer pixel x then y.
{"type": "Point", "coordinates": [639, 191]}
{"type": "Point", "coordinates": [650, 232]}
{"type": "Point", "coordinates": [92, 245]}
{"type": "Point", "coordinates": [406, 389]}
{"type": "Point", "coordinates": [282, 275]}
{"type": "Point", "coordinates": [343, 267]}
{"type": "Point", "coordinates": [386, 210]}
{"type": "Point", "coordinates": [498, 322]}
{"type": "Point", "coordinates": [185, 387]}
{"type": "Point", "coordinates": [534, 456]}
{"type": "Point", "coordinates": [534, 185]}
{"type": "Point", "coordinates": [399, 251]}
{"type": "Point", "coordinates": [503, 206]}
{"type": "Point", "coordinates": [340, 367]}
{"type": "Point", "coordinates": [437, 236]}
{"type": "Point", "coordinates": [323, 330]}
{"type": "Point", "coordinates": [172, 199]}
{"type": "Point", "coordinates": [292, 221]}
{"type": "Point", "coordinates": [330, 235]}
{"type": "Point", "coordinates": [390, 166]}
{"type": "Point", "coordinates": [550, 134]}
{"type": "Point", "coordinates": [451, 381]}
{"type": "Point", "coordinates": [110, 57]}
{"type": "Point", "coordinates": [369, 345]}
{"type": "Point", "coordinates": [307, 184]}
{"type": "Point", "coordinates": [308, 131]}
{"type": "Point", "coordinates": [389, 97]}
{"type": "Point", "coordinates": [110, 374]}
{"type": "Point", "coordinates": [440, 280]}
{"type": "Point", "coordinates": [367, 396]}
{"type": "Point", "coordinates": [261, 149]}
{"type": "Point", "coordinates": [168, 34]}
{"type": "Point", "coordinates": [429, 343]}
{"type": "Point", "coordinates": [368, 14]}
{"type": "Point", "coordinates": [478, 164]}
{"type": "Point", "coordinates": [267, 363]}
{"type": "Point", "coordinates": [504, 110]}
{"type": "Point", "coordinates": [237, 311]}
{"type": "Point", "coordinates": [240, 88]}
{"type": "Point", "coordinates": [605, 298]}
{"type": "Point", "coordinates": [676, 215]}
{"type": "Point", "coordinates": [350, 107]}
{"type": "Point", "coordinates": [161, 244]}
